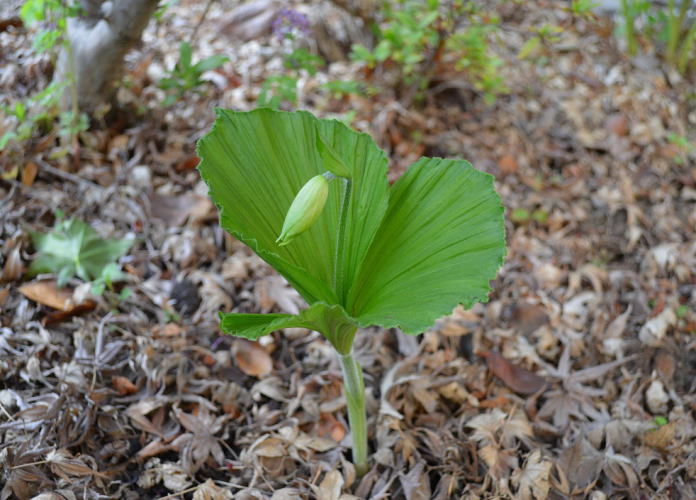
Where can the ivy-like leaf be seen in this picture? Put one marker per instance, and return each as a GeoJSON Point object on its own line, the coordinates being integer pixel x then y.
{"type": "Point", "coordinates": [74, 248]}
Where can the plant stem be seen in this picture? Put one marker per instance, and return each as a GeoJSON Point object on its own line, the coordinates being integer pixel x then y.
{"type": "Point", "coordinates": [626, 6]}
{"type": "Point", "coordinates": [354, 389]}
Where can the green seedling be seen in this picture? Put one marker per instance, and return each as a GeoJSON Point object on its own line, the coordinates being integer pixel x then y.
{"type": "Point", "coordinates": [362, 253]}
{"type": "Point", "coordinates": [415, 36]}
{"type": "Point", "coordinates": [73, 248]}
{"type": "Point", "coordinates": [186, 76]}
{"type": "Point", "coordinates": [671, 25]}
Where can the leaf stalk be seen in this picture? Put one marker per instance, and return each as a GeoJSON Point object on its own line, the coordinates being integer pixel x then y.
{"type": "Point", "coordinates": [354, 389]}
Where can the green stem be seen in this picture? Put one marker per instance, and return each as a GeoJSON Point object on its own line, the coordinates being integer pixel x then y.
{"type": "Point", "coordinates": [688, 46]}
{"type": "Point", "coordinates": [354, 389]}
{"type": "Point", "coordinates": [628, 21]}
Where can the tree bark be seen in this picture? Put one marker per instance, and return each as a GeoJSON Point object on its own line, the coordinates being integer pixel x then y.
{"type": "Point", "coordinates": [98, 41]}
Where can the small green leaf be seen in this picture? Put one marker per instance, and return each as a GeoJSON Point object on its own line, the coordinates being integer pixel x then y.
{"type": "Point", "coordinates": [330, 320]}
{"type": "Point", "coordinates": [185, 55]}
{"type": "Point", "coordinates": [210, 63]}
{"type": "Point", "coordinates": [74, 248]}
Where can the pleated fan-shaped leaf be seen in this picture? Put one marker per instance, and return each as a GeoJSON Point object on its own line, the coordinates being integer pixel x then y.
{"type": "Point", "coordinates": [440, 243]}
{"type": "Point", "coordinates": [255, 163]}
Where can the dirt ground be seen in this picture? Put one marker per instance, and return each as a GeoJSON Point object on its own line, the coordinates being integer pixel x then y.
{"type": "Point", "coordinates": [576, 380]}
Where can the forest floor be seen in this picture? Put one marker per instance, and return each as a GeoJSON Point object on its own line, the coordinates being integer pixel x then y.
{"type": "Point", "coordinates": [577, 378]}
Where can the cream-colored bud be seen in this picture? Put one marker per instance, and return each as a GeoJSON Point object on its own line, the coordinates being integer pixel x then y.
{"type": "Point", "coordinates": [305, 209]}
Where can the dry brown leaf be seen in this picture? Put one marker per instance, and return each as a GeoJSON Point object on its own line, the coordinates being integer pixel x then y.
{"type": "Point", "coordinates": [330, 487]}
{"type": "Point", "coordinates": [499, 462]}
{"type": "Point", "coordinates": [210, 491]}
{"type": "Point", "coordinates": [508, 164]}
{"type": "Point", "coordinates": [13, 268]}
{"type": "Point", "coordinates": [29, 173]}
{"type": "Point", "coordinates": [580, 465]}
{"type": "Point", "coordinates": [47, 293]}
{"type": "Point", "coordinates": [63, 464]}
{"type": "Point", "coordinates": [515, 377]}
{"type": "Point", "coordinates": [252, 358]}
{"type": "Point", "coordinates": [533, 480]}
{"type": "Point", "coordinates": [416, 483]}
{"type": "Point", "coordinates": [330, 427]}
{"type": "Point", "coordinates": [123, 386]}
{"type": "Point", "coordinates": [4, 294]}
{"type": "Point", "coordinates": [174, 210]}
{"type": "Point", "coordinates": [661, 437]}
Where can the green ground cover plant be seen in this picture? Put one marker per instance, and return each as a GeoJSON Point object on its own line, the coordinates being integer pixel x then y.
{"type": "Point", "coordinates": [311, 198]}
{"type": "Point", "coordinates": [671, 27]}
{"type": "Point", "coordinates": [73, 248]}
{"type": "Point", "coordinates": [415, 36]}
{"type": "Point", "coordinates": [185, 76]}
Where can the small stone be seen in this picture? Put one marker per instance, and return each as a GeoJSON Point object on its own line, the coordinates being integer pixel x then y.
{"type": "Point", "coordinates": [185, 296]}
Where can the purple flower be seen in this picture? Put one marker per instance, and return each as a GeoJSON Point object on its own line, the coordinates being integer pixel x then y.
{"type": "Point", "coordinates": [290, 23]}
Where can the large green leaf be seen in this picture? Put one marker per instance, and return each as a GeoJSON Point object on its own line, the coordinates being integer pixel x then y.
{"type": "Point", "coordinates": [256, 162]}
{"type": "Point", "coordinates": [330, 320]}
{"type": "Point", "coordinates": [441, 241]}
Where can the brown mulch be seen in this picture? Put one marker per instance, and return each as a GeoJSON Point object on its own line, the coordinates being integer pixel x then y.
{"type": "Point", "coordinates": [577, 379]}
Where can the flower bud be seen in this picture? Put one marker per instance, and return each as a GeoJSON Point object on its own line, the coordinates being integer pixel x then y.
{"type": "Point", "coordinates": [305, 209]}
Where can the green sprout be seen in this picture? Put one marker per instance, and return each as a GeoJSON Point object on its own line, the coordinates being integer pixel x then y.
{"type": "Point", "coordinates": [362, 253]}
{"type": "Point", "coordinates": [73, 248]}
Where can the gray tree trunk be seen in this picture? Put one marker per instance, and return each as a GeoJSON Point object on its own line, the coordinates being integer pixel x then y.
{"type": "Point", "coordinates": [99, 39]}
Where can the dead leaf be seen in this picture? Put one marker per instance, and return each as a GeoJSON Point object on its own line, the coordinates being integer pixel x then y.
{"type": "Point", "coordinates": [580, 465]}
{"type": "Point", "coordinates": [174, 210]}
{"type": "Point", "coordinates": [665, 365]}
{"type": "Point", "coordinates": [330, 487]}
{"type": "Point", "coordinates": [416, 483]}
{"type": "Point", "coordinates": [508, 164]}
{"type": "Point", "coordinates": [123, 386]}
{"type": "Point", "coordinates": [617, 125]}
{"type": "Point", "coordinates": [210, 491]}
{"type": "Point", "coordinates": [661, 437]}
{"type": "Point", "coordinates": [330, 427]}
{"type": "Point", "coordinates": [13, 267]}
{"type": "Point", "coordinates": [252, 359]}
{"type": "Point", "coordinates": [533, 480]}
{"type": "Point", "coordinates": [515, 377]}
{"type": "Point", "coordinates": [48, 294]}
{"type": "Point", "coordinates": [29, 173]}
{"type": "Point", "coordinates": [654, 330]}
{"type": "Point", "coordinates": [499, 462]}
{"type": "Point", "coordinates": [62, 463]}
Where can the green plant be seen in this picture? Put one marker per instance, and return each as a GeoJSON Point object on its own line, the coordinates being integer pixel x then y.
{"type": "Point", "coordinates": [359, 251]}
{"type": "Point", "coordinates": [282, 89]}
{"type": "Point", "coordinates": [544, 35]}
{"type": "Point", "coordinates": [416, 36]}
{"type": "Point", "coordinates": [277, 90]}
{"type": "Point", "coordinates": [41, 110]}
{"type": "Point", "coordinates": [583, 7]}
{"type": "Point", "coordinates": [671, 27]}
{"type": "Point", "coordinates": [185, 75]}
{"type": "Point", "coordinates": [74, 248]}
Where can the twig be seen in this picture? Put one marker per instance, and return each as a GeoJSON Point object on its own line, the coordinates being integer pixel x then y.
{"type": "Point", "coordinates": [182, 492]}
{"type": "Point", "coordinates": [66, 175]}
{"type": "Point", "coordinates": [200, 21]}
